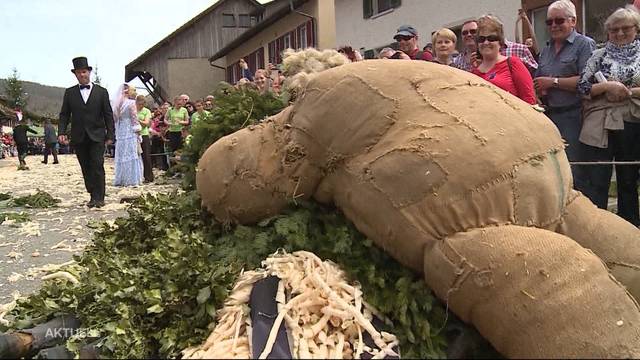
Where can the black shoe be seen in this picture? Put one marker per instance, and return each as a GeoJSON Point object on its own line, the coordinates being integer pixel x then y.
{"type": "Point", "coordinates": [91, 203]}
{"type": "Point", "coordinates": [56, 162]}
{"type": "Point", "coordinates": [98, 204]}
{"type": "Point", "coordinates": [44, 162]}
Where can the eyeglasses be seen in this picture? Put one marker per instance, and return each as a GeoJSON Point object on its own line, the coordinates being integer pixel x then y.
{"type": "Point", "coordinates": [625, 29]}
{"type": "Point", "coordinates": [469, 32]}
{"type": "Point", "coordinates": [557, 21]}
{"type": "Point", "coordinates": [403, 37]}
{"type": "Point", "coordinates": [491, 38]}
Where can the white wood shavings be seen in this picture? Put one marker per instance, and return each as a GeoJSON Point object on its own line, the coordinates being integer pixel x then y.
{"type": "Point", "coordinates": [14, 277]}
{"type": "Point", "coordinates": [324, 315]}
{"type": "Point", "coordinates": [30, 228]}
{"type": "Point", "coordinates": [14, 255]}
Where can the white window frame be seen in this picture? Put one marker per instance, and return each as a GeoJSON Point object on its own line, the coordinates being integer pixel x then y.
{"type": "Point", "coordinates": [302, 37]}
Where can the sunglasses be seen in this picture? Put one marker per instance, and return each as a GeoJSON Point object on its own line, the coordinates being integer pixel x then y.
{"type": "Point", "coordinates": [491, 38]}
{"type": "Point", "coordinates": [403, 37]}
{"type": "Point", "coordinates": [557, 21]}
{"type": "Point", "coordinates": [625, 29]}
{"type": "Point", "coordinates": [469, 32]}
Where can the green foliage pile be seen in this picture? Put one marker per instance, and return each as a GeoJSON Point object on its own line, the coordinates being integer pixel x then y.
{"type": "Point", "coordinates": [18, 217]}
{"type": "Point", "coordinates": [41, 199]}
{"type": "Point", "coordinates": [235, 108]}
{"type": "Point", "coordinates": [151, 284]}
{"type": "Point", "coordinates": [4, 196]}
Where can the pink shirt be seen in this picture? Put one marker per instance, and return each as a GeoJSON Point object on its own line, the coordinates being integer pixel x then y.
{"type": "Point", "coordinates": [517, 81]}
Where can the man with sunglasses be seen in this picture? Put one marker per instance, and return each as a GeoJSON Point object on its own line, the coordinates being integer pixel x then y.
{"type": "Point", "coordinates": [561, 63]}
{"type": "Point", "coordinates": [407, 38]}
{"type": "Point", "coordinates": [468, 58]}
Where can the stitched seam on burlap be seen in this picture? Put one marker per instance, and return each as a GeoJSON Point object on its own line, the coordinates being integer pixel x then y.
{"type": "Point", "coordinates": [476, 133]}
{"type": "Point", "coordinates": [611, 264]}
{"type": "Point", "coordinates": [491, 87]}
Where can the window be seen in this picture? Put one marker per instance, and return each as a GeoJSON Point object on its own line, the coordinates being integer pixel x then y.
{"type": "Point", "coordinates": [596, 12]}
{"type": "Point", "coordinates": [372, 8]}
{"type": "Point", "coordinates": [302, 37]}
{"type": "Point", "coordinates": [228, 20]}
{"type": "Point", "coordinates": [299, 38]}
{"type": "Point", "coordinates": [244, 21]}
{"type": "Point", "coordinates": [538, 17]}
{"type": "Point", "coordinates": [287, 41]}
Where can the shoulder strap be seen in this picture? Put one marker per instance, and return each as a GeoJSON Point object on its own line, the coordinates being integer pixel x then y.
{"type": "Point", "coordinates": [510, 68]}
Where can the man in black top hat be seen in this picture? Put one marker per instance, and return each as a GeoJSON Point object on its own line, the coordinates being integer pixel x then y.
{"type": "Point", "coordinates": [87, 109]}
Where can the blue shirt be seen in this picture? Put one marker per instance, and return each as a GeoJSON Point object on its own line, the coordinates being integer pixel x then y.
{"type": "Point", "coordinates": [569, 62]}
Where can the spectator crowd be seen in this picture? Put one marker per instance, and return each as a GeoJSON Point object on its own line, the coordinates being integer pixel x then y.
{"type": "Point", "coordinates": [591, 93]}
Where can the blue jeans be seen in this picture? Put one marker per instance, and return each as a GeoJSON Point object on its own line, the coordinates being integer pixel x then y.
{"type": "Point", "coordinates": [569, 123]}
{"type": "Point", "coordinates": [624, 145]}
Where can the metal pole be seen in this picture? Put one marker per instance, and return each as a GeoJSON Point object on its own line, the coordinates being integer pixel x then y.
{"type": "Point", "coordinates": [604, 162]}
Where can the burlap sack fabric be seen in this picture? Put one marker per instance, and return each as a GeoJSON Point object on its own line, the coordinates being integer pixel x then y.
{"type": "Point", "coordinates": [454, 178]}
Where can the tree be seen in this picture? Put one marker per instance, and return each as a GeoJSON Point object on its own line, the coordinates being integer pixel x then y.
{"type": "Point", "coordinates": [15, 91]}
{"type": "Point", "coordinates": [96, 78]}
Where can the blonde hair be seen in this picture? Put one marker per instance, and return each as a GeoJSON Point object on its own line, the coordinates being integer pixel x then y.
{"type": "Point", "coordinates": [445, 33]}
{"type": "Point", "coordinates": [490, 23]}
{"type": "Point", "coordinates": [627, 13]}
{"type": "Point", "coordinates": [131, 91]}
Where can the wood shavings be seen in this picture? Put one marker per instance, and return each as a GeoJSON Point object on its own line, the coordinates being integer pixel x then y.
{"type": "Point", "coordinates": [61, 275]}
{"type": "Point", "coordinates": [14, 277]}
{"type": "Point", "coordinates": [58, 245]}
{"type": "Point", "coordinates": [30, 228]}
{"type": "Point", "coordinates": [14, 255]}
{"type": "Point", "coordinates": [325, 316]}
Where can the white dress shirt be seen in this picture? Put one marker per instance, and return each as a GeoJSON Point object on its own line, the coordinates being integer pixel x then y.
{"type": "Point", "coordinates": [86, 92]}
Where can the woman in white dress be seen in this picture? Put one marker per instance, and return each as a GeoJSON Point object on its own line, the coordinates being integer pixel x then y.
{"type": "Point", "coordinates": [128, 162]}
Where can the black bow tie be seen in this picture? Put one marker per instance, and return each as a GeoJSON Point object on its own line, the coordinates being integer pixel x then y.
{"type": "Point", "coordinates": [85, 87]}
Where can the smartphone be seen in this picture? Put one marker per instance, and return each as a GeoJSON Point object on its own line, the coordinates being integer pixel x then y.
{"type": "Point", "coordinates": [395, 56]}
{"type": "Point", "coordinates": [478, 55]}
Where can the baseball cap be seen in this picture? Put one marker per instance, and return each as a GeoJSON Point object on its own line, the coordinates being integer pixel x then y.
{"type": "Point", "coordinates": [406, 30]}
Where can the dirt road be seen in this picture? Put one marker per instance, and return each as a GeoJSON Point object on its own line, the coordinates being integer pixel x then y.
{"type": "Point", "coordinates": [53, 235]}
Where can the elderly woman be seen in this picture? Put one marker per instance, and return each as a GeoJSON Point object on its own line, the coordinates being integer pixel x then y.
{"type": "Point", "coordinates": [444, 42]}
{"type": "Point", "coordinates": [507, 73]}
{"type": "Point", "coordinates": [610, 85]}
{"type": "Point", "coordinates": [561, 63]}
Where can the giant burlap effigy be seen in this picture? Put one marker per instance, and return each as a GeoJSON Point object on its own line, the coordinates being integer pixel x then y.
{"type": "Point", "coordinates": [457, 179]}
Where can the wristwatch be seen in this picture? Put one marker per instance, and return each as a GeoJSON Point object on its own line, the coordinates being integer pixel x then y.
{"type": "Point", "coordinates": [556, 82]}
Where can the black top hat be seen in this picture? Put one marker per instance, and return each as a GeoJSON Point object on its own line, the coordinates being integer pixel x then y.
{"type": "Point", "coordinates": [80, 63]}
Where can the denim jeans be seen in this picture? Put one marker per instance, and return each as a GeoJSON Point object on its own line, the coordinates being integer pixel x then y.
{"type": "Point", "coordinates": [569, 123]}
{"type": "Point", "coordinates": [624, 145]}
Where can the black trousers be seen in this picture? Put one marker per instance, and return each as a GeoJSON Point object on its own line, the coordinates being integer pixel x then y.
{"type": "Point", "coordinates": [157, 147]}
{"type": "Point", "coordinates": [623, 146]}
{"type": "Point", "coordinates": [23, 150]}
{"type": "Point", "coordinates": [146, 158]}
{"type": "Point", "coordinates": [175, 140]}
{"type": "Point", "coordinates": [90, 155]}
{"type": "Point", "coordinates": [50, 148]}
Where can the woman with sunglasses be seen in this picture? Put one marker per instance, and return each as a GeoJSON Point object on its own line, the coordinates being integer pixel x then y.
{"type": "Point", "coordinates": [610, 85]}
{"type": "Point", "coordinates": [509, 74]}
{"type": "Point", "coordinates": [561, 63]}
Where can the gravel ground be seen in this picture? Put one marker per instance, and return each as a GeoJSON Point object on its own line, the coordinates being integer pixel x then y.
{"type": "Point", "coordinates": [54, 235]}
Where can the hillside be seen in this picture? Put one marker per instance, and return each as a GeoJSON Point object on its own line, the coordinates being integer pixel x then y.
{"type": "Point", "coordinates": [43, 100]}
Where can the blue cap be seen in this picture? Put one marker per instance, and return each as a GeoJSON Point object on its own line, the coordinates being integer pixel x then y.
{"type": "Point", "coordinates": [406, 30]}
